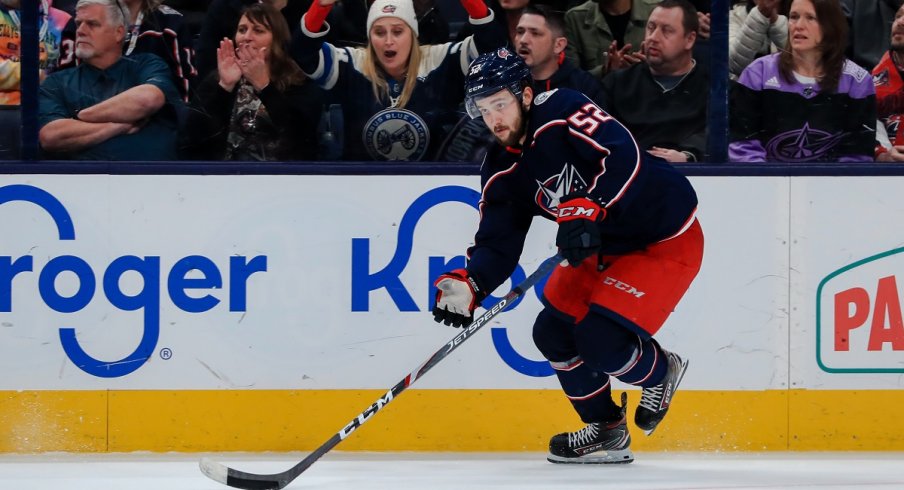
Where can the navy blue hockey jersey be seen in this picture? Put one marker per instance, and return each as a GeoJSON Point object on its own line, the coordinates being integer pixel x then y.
{"type": "Point", "coordinates": [574, 146]}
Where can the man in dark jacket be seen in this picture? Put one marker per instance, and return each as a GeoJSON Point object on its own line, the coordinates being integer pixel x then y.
{"type": "Point", "coordinates": [540, 40]}
{"type": "Point", "coordinates": [663, 100]}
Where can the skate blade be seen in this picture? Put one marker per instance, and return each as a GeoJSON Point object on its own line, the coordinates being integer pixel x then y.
{"type": "Point", "coordinates": [602, 457]}
{"type": "Point", "coordinates": [684, 363]}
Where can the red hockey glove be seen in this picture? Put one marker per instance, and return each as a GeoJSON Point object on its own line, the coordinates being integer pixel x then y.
{"type": "Point", "coordinates": [579, 232]}
{"type": "Point", "coordinates": [476, 9]}
{"type": "Point", "coordinates": [316, 16]}
{"type": "Point", "coordinates": [457, 295]}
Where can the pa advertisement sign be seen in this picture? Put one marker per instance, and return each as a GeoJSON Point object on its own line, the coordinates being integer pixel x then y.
{"type": "Point", "coordinates": [860, 327]}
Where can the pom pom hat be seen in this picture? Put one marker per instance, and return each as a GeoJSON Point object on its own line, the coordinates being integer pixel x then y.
{"type": "Point", "coordinates": [400, 9]}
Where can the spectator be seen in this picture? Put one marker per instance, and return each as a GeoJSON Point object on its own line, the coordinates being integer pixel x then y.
{"type": "Point", "coordinates": [889, 82]}
{"type": "Point", "coordinates": [663, 100]}
{"type": "Point", "coordinates": [109, 107]}
{"type": "Point", "coordinates": [808, 103]}
{"type": "Point", "coordinates": [51, 23]}
{"type": "Point", "coordinates": [755, 28]}
{"type": "Point", "coordinates": [870, 25]}
{"type": "Point", "coordinates": [402, 92]}
{"type": "Point", "coordinates": [540, 41]}
{"type": "Point", "coordinates": [605, 35]}
{"type": "Point", "coordinates": [220, 21]}
{"type": "Point", "coordinates": [156, 29]}
{"type": "Point", "coordinates": [257, 106]}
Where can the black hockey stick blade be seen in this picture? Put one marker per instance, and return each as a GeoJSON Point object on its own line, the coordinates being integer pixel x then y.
{"type": "Point", "coordinates": [253, 481]}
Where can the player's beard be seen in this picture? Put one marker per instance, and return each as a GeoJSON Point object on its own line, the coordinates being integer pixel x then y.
{"type": "Point", "coordinates": [516, 131]}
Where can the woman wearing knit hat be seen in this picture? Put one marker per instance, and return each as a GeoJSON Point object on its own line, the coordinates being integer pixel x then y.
{"type": "Point", "coordinates": [395, 94]}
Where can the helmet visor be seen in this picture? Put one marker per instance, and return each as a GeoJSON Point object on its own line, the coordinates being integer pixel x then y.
{"type": "Point", "coordinates": [474, 111]}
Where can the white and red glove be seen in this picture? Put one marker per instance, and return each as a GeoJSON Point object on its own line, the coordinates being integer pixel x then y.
{"type": "Point", "coordinates": [316, 15]}
{"type": "Point", "coordinates": [579, 232]}
{"type": "Point", "coordinates": [476, 9]}
{"type": "Point", "coordinates": [457, 295]}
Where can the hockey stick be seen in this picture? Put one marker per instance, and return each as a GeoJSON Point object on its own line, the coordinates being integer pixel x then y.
{"type": "Point", "coordinates": [241, 479]}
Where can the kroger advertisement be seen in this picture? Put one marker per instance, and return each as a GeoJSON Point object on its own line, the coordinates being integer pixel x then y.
{"type": "Point", "coordinates": [324, 282]}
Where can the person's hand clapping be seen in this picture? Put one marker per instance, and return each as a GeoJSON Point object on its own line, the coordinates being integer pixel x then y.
{"type": "Point", "coordinates": [228, 68]}
{"type": "Point", "coordinates": [253, 65]}
{"type": "Point", "coordinates": [622, 58]}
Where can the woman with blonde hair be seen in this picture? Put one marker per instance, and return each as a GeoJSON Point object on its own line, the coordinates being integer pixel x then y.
{"type": "Point", "coordinates": [258, 104]}
{"type": "Point", "coordinates": [396, 95]}
{"type": "Point", "coordinates": [807, 103]}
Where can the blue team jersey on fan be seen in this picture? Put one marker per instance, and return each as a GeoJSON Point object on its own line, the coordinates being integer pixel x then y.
{"type": "Point", "coordinates": [574, 146]}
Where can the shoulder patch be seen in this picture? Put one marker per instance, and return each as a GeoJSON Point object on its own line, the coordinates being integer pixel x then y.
{"type": "Point", "coordinates": [854, 70]}
{"type": "Point", "coordinates": [544, 96]}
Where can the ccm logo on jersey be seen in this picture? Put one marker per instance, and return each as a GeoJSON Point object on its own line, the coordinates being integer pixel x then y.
{"type": "Point", "coordinates": [611, 281]}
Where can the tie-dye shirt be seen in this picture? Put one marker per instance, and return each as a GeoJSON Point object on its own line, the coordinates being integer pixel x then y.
{"type": "Point", "coordinates": [50, 28]}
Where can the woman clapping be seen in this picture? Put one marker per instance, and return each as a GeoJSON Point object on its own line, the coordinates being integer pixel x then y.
{"type": "Point", "coordinates": [257, 105]}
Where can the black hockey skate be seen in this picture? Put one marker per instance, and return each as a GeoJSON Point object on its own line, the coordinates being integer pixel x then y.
{"type": "Point", "coordinates": [654, 401]}
{"type": "Point", "coordinates": [597, 443]}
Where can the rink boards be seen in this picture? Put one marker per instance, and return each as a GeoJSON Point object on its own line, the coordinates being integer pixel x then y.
{"type": "Point", "coordinates": [250, 313]}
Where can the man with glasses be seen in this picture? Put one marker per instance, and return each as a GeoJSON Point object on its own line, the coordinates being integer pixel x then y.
{"type": "Point", "coordinates": [109, 107]}
{"type": "Point", "coordinates": [626, 227]}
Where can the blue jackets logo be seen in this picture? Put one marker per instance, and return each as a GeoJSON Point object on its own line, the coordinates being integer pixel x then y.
{"type": "Point", "coordinates": [388, 278]}
{"type": "Point", "coordinates": [89, 280]}
{"type": "Point", "coordinates": [396, 134]}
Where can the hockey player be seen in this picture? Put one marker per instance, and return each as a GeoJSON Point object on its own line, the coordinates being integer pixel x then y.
{"type": "Point", "coordinates": [626, 226]}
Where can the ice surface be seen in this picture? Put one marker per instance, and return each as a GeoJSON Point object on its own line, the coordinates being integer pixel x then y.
{"type": "Point", "coordinates": [440, 471]}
